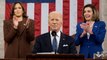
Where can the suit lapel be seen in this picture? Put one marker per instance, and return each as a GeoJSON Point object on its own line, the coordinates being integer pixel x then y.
{"type": "Point", "coordinates": [48, 38]}
{"type": "Point", "coordinates": [22, 26]}
{"type": "Point", "coordinates": [62, 40]}
{"type": "Point", "coordinates": [95, 27]}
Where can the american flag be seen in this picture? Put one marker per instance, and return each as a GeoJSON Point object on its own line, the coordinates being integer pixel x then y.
{"type": "Point", "coordinates": [38, 10]}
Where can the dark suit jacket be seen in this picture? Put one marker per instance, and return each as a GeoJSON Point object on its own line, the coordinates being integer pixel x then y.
{"type": "Point", "coordinates": [94, 44]}
{"type": "Point", "coordinates": [43, 44]}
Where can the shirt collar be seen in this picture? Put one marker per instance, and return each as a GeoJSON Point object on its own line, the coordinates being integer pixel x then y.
{"type": "Point", "coordinates": [58, 33]}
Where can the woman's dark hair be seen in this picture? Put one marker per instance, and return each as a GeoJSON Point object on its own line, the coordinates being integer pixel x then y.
{"type": "Point", "coordinates": [95, 12]}
{"type": "Point", "coordinates": [13, 7]}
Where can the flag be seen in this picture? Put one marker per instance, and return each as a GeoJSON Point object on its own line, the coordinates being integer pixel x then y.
{"type": "Point", "coordinates": [38, 10]}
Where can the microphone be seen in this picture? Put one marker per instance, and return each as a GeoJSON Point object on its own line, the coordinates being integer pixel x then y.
{"type": "Point", "coordinates": [53, 33]}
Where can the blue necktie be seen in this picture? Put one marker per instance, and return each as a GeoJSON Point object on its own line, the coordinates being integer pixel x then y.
{"type": "Point", "coordinates": [54, 44]}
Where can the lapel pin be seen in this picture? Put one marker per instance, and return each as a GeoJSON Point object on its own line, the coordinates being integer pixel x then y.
{"type": "Point", "coordinates": [24, 24]}
{"type": "Point", "coordinates": [96, 26]}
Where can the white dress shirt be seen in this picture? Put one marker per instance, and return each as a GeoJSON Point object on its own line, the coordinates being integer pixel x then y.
{"type": "Point", "coordinates": [57, 38]}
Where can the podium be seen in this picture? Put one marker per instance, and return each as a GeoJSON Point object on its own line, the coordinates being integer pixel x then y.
{"type": "Point", "coordinates": [55, 57]}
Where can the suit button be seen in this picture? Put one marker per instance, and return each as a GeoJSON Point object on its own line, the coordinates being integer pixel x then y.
{"type": "Point", "coordinates": [88, 46]}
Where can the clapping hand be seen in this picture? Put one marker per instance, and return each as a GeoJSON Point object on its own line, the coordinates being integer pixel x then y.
{"type": "Point", "coordinates": [86, 27]}
{"type": "Point", "coordinates": [15, 22]}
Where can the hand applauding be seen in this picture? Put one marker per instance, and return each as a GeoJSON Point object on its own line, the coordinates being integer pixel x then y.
{"type": "Point", "coordinates": [16, 21]}
{"type": "Point", "coordinates": [87, 27]}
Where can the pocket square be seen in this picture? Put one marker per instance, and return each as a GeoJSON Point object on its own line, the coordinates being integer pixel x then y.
{"type": "Point", "coordinates": [65, 45]}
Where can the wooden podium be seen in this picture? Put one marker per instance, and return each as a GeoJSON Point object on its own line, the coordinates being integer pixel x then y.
{"type": "Point", "coordinates": [55, 57]}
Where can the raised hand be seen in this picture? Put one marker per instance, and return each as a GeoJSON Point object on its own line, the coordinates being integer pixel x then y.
{"type": "Point", "coordinates": [15, 22]}
{"type": "Point", "coordinates": [89, 28]}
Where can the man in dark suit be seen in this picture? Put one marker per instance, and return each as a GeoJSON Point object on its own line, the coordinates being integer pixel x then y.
{"type": "Point", "coordinates": [55, 40]}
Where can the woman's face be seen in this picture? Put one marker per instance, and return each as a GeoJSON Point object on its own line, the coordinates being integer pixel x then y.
{"type": "Point", "coordinates": [88, 13]}
{"type": "Point", "coordinates": [18, 10]}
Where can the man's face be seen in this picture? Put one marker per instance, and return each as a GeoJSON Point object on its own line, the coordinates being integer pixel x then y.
{"type": "Point", "coordinates": [55, 21]}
